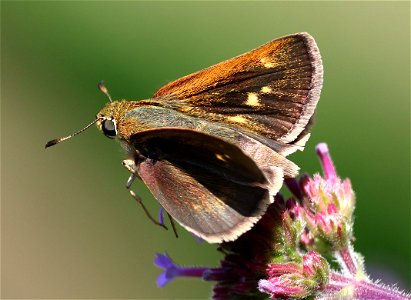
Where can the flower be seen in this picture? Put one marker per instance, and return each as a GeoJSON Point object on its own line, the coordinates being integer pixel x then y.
{"type": "Point", "coordinates": [171, 270]}
{"type": "Point", "coordinates": [329, 204]}
{"type": "Point", "coordinates": [284, 254]}
{"type": "Point", "coordinates": [296, 280]}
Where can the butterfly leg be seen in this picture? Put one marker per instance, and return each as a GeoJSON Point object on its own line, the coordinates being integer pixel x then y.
{"type": "Point", "coordinates": [130, 165]}
{"type": "Point", "coordinates": [173, 225]}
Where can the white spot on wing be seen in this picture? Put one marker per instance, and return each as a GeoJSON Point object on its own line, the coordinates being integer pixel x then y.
{"type": "Point", "coordinates": [237, 119]}
{"type": "Point", "coordinates": [266, 90]}
{"type": "Point", "coordinates": [252, 100]}
{"type": "Point", "coordinates": [220, 157]}
{"type": "Point", "coordinates": [266, 63]}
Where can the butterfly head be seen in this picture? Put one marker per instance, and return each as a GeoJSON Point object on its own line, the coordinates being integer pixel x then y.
{"type": "Point", "coordinates": [107, 118]}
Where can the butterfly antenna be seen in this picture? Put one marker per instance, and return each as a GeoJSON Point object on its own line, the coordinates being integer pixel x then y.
{"type": "Point", "coordinates": [59, 140]}
{"type": "Point", "coordinates": [103, 88]}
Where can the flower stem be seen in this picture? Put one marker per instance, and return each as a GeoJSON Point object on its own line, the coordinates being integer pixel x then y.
{"type": "Point", "coordinates": [349, 261]}
{"type": "Point", "coordinates": [342, 286]}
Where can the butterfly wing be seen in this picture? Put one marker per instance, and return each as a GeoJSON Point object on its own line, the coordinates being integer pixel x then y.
{"type": "Point", "coordinates": [271, 91]}
{"type": "Point", "coordinates": [208, 185]}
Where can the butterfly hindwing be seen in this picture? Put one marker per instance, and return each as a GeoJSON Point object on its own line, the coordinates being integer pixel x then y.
{"type": "Point", "coordinates": [208, 185]}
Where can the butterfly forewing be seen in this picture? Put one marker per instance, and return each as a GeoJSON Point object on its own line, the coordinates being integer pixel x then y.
{"type": "Point", "coordinates": [271, 91]}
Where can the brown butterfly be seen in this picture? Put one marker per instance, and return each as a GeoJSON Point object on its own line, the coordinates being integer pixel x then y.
{"type": "Point", "coordinates": [212, 146]}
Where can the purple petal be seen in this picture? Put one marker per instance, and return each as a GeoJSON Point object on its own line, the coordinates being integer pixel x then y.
{"type": "Point", "coordinates": [163, 261]}
{"type": "Point", "coordinates": [161, 216]}
{"type": "Point", "coordinates": [171, 270]}
{"type": "Point", "coordinates": [162, 279]}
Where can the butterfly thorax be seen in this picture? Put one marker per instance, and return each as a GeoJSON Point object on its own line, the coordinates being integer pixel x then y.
{"type": "Point", "coordinates": [116, 109]}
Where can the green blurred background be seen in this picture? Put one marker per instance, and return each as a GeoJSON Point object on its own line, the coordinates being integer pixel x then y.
{"type": "Point", "coordinates": [69, 227]}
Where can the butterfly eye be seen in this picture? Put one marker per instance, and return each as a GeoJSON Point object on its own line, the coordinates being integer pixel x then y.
{"type": "Point", "coordinates": [109, 128]}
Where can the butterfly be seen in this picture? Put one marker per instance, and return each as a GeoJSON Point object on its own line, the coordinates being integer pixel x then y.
{"type": "Point", "coordinates": [211, 146]}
